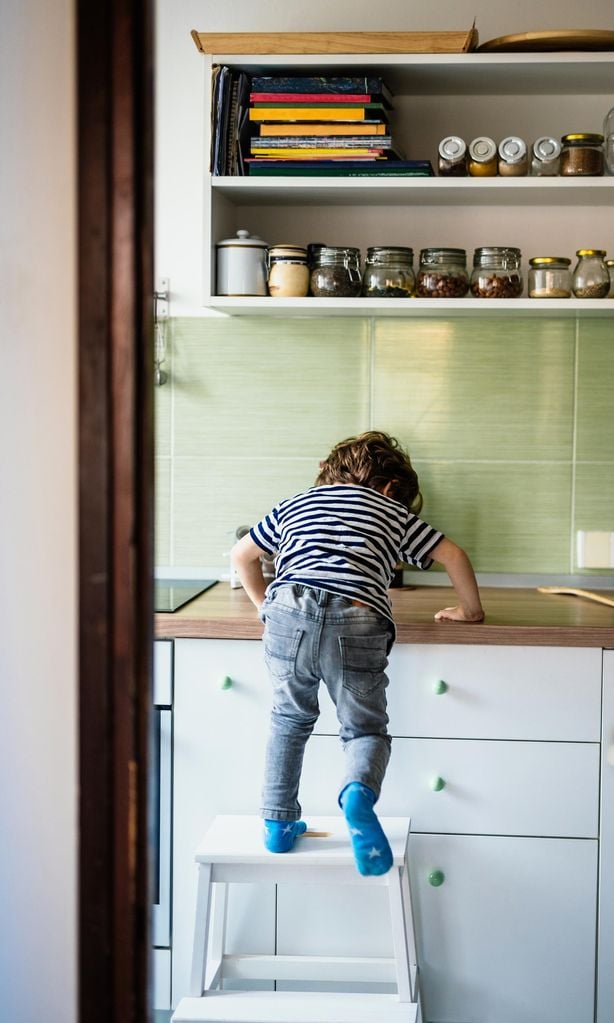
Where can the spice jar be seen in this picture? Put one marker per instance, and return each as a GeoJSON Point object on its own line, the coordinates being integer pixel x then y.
{"type": "Point", "coordinates": [549, 277]}
{"type": "Point", "coordinates": [443, 273]}
{"type": "Point", "coordinates": [496, 272]}
{"type": "Point", "coordinates": [513, 160]}
{"type": "Point", "coordinates": [388, 272]}
{"type": "Point", "coordinates": [545, 160]}
{"type": "Point", "coordinates": [582, 154]}
{"type": "Point", "coordinates": [452, 157]}
{"type": "Point", "coordinates": [482, 158]}
{"type": "Point", "coordinates": [590, 277]}
{"type": "Point", "coordinates": [610, 265]}
{"type": "Point", "coordinates": [288, 273]}
{"type": "Point", "coordinates": [336, 272]}
{"type": "Point", "coordinates": [608, 141]}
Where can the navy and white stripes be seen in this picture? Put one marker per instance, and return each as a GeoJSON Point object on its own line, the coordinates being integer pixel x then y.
{"type": "Point", "coordinates": [345, 539]}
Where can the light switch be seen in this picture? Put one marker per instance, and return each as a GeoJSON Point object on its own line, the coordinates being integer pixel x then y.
{"type": "Point", "coordinates": [595, 549]}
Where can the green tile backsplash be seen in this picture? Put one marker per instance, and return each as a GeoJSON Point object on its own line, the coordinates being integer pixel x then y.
{"type": "Point", "coordinates": [505, 420]}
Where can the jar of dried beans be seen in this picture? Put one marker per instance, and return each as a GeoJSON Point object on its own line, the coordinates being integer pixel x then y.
{"type": "Point", "coordinates": [496, 272]}
{"type": "Point", "coordinates": [336, 272]}
{"type": "Point", "coordinates": [442, 274]}
{"type": "Point", "coordinates": [389, 272]}
{"type": "Point", "coordinates": [590, 277]}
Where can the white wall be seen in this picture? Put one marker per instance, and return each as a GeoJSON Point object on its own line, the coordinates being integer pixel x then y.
{"type": "Point", "coordinates": [38, 792]}
{"type": "Point", "coordinates": [180, 88]}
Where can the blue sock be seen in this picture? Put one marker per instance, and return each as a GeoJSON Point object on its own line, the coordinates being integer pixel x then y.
{"type": "Point", "coordinates": [280, 836]}
{"type": "Point", "coordinates": [371, 849]}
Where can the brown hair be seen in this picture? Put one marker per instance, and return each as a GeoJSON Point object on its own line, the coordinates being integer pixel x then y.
{"type": "Point", "coordinates": [373, 459]}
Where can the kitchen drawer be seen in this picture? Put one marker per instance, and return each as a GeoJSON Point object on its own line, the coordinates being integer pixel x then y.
{"type": "Point", "coordinates": [491, 692]}
{"type": "Point", "coordinates": [492, 788]}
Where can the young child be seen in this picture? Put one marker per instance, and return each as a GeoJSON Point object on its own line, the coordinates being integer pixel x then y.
{"type": "Point", "coordinates": [328, 618]}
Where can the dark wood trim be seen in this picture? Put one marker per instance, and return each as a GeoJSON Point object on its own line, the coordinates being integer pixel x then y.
{"type": "Point", "coordinates": [115, 246]}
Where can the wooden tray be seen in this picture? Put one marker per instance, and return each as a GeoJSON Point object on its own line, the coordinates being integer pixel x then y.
{"type": "Point", "coordinates": [335, 42]}
{"type": "Point", "coordinates": [543, 42]}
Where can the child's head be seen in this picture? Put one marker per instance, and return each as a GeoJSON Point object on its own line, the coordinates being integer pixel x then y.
{"type": "Point", "coordinates": [375, 460]}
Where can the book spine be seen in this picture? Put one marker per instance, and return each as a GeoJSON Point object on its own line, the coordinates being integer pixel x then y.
{"type": "Point", "coordinates": [317, 83]}
{"type": "Point", "coordinates": [310, 97]}
{"type": "Point", "coordinates": [313, 154]}
{"type": "Point", "coordinates": [324, 130]}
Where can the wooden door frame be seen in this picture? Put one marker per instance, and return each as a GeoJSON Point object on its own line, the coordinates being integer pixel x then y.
{"type": "Point", "coordinates": [115, 282]}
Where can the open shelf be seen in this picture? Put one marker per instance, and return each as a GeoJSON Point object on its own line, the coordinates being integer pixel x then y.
{"type": "Point", "coordinates": [414, 307]}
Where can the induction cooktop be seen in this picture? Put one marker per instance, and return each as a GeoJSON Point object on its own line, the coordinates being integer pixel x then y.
{"type": "Point", "coordinates": [171, 594]}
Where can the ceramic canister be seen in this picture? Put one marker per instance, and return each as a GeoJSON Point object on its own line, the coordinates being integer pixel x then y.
{"type": "Point", "coordinates": [288, 271]}
{"type": "Point", "coordinates": [241, 265]}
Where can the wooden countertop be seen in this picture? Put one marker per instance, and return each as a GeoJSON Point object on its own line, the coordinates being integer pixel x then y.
{"type": "Point", "coordinates": [516, 617]}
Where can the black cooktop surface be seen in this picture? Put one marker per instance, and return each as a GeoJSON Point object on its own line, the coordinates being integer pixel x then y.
{"type": "Point", "coordinates": [171, 594]}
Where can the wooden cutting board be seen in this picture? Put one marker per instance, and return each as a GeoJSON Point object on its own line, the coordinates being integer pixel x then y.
{"type": "Point", "coordinates": [542, 42]}
{"type": "Point", "coordinates": [599, 598]}
{"type": "Point", "coordinates": [335, 42]}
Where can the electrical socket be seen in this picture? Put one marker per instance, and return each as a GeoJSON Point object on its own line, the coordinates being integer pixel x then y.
{"type": "Point", "coordinates": [595, 549]}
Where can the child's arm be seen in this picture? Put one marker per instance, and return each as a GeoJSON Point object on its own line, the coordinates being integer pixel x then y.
{"type": "Point", "coordinates": [462, 577]}
{"type": "Point", "coordinates": [245, 556]}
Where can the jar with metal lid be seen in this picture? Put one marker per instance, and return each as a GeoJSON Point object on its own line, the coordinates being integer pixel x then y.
{"type": "Point", "coordinates": [288, 273]}
{"type": "Point", "coordinates": [549, 277]}
{"type": "Point", "coordinates": [496, 272]}
{"type": "Point", "coordinates": [482, 157]}
{"type": "Point", "coordinates": [610, 265]}
{"type": "Point", "coordinates": [591, 278]}
{"type": "Point", "coordinates": [388, 272]}
{"type": "Point", "coordinates": [513, 161]}
{"type": "Point", "coordinates": [546, 156]}
{"type": "Point", "coordinates": [608, 140]}
{"type": "Point", "coordinates": [452, 157]}
{"type": "Point", "coordinates": [582, 154]}
{"type": "Point", "coordinates": [442, 274]}
{"type": "Point", "coordinates": [336, 272]}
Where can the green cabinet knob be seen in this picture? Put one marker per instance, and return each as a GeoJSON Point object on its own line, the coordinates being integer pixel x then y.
{"type": "Point", "coordinates": [436, 878]}
{"type": "Point", "coordinates": [226, 682]}
{"type": "Point", "coordinates": [438, 784]}
{"type": "Point", "coordinates": [440, 687]}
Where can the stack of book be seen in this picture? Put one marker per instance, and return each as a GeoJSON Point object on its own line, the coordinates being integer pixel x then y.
{"type": "Point", "coordinates": [324, 125]}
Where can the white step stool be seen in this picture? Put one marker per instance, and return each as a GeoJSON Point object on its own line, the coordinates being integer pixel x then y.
{"type": "Point", "coordinates": [232, 851]}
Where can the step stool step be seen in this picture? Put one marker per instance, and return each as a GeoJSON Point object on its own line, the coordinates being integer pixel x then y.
{"type": "Point", "coordinates": [236, 838]}
{"type": "Point", "coordinates": [293, 1007]}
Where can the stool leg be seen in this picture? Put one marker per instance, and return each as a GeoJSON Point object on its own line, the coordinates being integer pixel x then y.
{"type": "Point", "coordinates": [201, 931]}
{"type": "Point", "coordinates": [410, 931]}
{"type": "Point", "coordinates": [215, 962]}
{"type": "Point", "coordinates": [399, 935]}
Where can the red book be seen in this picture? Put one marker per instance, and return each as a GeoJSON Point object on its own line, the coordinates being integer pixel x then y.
{"type": "Point", "coordinates": [309, 97]}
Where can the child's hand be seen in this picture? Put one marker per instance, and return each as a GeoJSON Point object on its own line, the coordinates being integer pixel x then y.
{"type": "Point", "coordinates": [456, 614]}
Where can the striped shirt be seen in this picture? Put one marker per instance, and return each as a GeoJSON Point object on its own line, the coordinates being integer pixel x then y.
{"type": "Point", "coordinates": [344, 539]}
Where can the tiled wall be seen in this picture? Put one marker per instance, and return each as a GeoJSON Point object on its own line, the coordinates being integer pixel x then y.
{"type": "Point", "coordinates": [510, 425]}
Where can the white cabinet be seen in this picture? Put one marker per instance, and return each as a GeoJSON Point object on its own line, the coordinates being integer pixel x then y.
{"type": "Point", "coordinates": [510, 934]}
{"type": "Point", "coordinates": [435, 95]}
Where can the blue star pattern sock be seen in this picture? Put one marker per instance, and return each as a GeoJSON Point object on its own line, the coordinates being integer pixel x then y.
{"type": "Point", "coordinates": [372, 852]}
{"type": "Point", "coordinates": [280, 836]}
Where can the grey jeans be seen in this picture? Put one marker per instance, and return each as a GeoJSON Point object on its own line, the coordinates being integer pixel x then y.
{"type": "Point", "coordinates": [311, 636]}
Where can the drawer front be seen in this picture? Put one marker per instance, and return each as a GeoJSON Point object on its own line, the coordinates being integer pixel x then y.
{"type": "Point", "coordinates": [475, 692]}
{"type": "Point", "coordinates": [492, 788]}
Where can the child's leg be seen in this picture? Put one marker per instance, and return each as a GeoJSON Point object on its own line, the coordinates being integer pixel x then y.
{"type": "Point", "coordinates": [370, 846]}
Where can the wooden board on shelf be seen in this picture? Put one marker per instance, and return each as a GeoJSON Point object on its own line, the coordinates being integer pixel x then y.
{"type": "Point", "coordinates": [335, 42]}
{"type": "Point", "coordinates": [547, 42]}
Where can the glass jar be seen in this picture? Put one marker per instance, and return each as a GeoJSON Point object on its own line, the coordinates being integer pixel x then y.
{"type": "Point", "coordinates": [549, 277]}
{"type": "Point", "coordinates": [513, 160]}
{"type": "Point", "coordinates": [546, 156]}
{"type": "Point", "coordinates": [582, 155]}
{"type": "Point", "coordinates": [452, 157]}
{"type": "Point", "coordinates": [288, 273]}
{"type": "Point", "coordinates": [389, 272]}
{"type": "Point", "coordinates": [482, 158]}
{"type": "Point", "coordinates": [610, 265]}
{"type": "Point", "coordinates": [608, 137]}
{"type": "Point", "coordinates": [590, 277]}
{"type": "Point", "coordinates": [336, 272]}
{"type": "Point", "coordinates": [442, 274]}
{"type": "Point", "coordinates": [496, 272]}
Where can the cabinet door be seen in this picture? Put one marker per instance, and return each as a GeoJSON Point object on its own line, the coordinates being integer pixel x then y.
{"type": "Point", "coordinates": [219, 738]}
{"type": "Point", "coordinates": [605, 973]}
{"type": "Point", "coordinates": [509, 935]}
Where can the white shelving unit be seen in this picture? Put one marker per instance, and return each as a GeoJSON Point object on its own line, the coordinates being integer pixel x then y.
{"type": "Point", "coordinates": [435, 95]}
